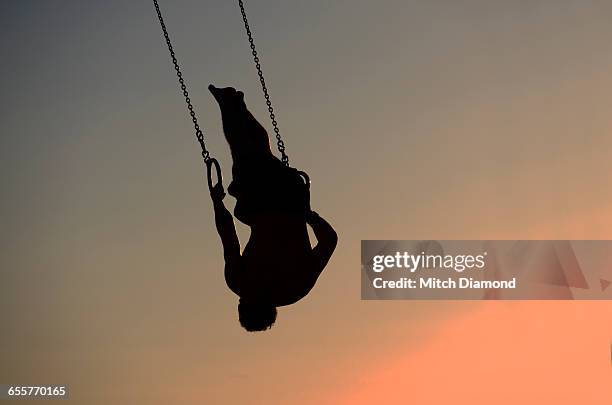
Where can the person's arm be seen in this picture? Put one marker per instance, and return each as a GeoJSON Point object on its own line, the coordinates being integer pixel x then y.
{"type": "Point", "coordinates": [225, 227]}
{"type": "Point", "coordinates": [231, 245]}
{"type": "Point", "coordinates": [327, 239]}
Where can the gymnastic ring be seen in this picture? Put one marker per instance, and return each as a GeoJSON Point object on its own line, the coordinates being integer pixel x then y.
{"type": "Point", "coordinates": [209, 163]}
{"type": "Point", "coordinates": [305, 178]}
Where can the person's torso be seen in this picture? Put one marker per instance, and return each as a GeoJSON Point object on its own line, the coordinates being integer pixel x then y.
{"type": "Point", "coordinates": [277, 263]}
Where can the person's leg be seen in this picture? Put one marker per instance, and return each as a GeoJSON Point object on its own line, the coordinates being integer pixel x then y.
{"type": "Point", "coordinates": [246, 137]}
{"type": "Point", "coordinates": [260, 182]}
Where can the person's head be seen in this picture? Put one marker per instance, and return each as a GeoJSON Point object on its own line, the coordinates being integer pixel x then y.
{"type": "Point", "coordinates": [256, 316]}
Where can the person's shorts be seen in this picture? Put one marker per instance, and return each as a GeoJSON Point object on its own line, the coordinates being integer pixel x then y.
{"type": "Point", "coordinates": [267, 186]}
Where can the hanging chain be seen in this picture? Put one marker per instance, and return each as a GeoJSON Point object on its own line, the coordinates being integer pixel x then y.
{"type": "Point", "coordinates": [198, 131]}
{"type": "Point", "coordinates": [279, 142]}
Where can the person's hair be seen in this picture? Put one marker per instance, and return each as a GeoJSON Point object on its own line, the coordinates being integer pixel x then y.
{"type": "Point", "coordinates": [256, 316]}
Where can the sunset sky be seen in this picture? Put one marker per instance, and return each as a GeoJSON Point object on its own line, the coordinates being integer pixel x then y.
{"type": "Point", "coordinates": [414, 119]}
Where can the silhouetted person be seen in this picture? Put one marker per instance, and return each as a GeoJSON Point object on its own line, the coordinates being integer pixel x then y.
{"type": "Point", "coordinates": [278, 265]}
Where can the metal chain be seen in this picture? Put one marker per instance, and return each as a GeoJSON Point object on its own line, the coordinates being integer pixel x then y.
{"type": "Point", "coordinates": [198, 131]}
{"type": "Point", "coordinates": [279, 142]}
